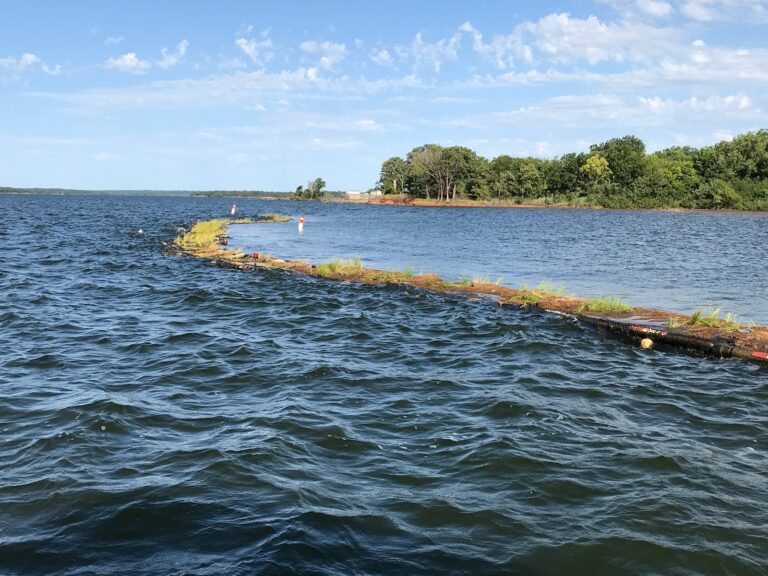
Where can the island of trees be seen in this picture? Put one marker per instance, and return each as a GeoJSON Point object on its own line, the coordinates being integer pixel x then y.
{"type": "Point", "coordinates": [617, 173]}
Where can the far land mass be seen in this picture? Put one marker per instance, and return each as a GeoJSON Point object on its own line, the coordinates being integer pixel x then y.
{"type": "Point", "coordinates": [617, 173]}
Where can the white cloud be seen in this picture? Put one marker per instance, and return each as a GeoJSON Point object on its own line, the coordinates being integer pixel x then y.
{"type": "Point", "coordinates": [330, 53]}
{"type": "Point", "coordinates": [113, 40]}
{"type": "Point", "coordinates": [382, 57]}
{"type": "Point", "coordinates": [51, 70]}
{"type": "Point", "coordinates": [21, 64]}
{"type": "Point", "coordinates": [504, 49]}
{"type": "Point", "coordinates": [236, 89]}
{"type": "Point", "coordinates": [25, 63]}
{"type": "Point", "coordinates": [713, 104]}
{"type": "Point", "coordinates": [629, 9]}
{"type": "Point", "coordinates": [259, 51]}
{"type": "Point", "coordinates": [128, 62]}
{"type": "Point", "coordinates": [584, 112]}
{"type": "Point", "coordinates": [712, 10]}
{"type": "Point", "coordinates": [434, 54]}
{"type": "Point", "coordinates": [704, 64]}
{"type": "Point", "coordinates": [131, 63]}
{"type": "Point", "coordinates": [655, 7]}
{"type": "Point", "coordinates": [171, 59]}
{"type": "Point", "coordinates": [563, 39]}
{"type": "Point", "coordinates": [697, 11]}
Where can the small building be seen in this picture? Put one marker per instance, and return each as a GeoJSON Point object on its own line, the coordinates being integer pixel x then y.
{"type": "Point", "coordinates": [353, 194]}
{"type": "Point", "coordinates": [374, 193]}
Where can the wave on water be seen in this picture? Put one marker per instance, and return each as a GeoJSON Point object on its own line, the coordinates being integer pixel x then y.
{"type": "Point", "coordinates": [162, 416]}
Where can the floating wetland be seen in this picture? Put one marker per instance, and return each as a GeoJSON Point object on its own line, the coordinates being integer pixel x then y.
{"type": "Point", "coordinates": [711, 334]}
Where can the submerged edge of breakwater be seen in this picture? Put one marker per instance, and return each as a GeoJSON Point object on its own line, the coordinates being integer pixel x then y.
{"type": "Point", "coordinates": [710, 335]}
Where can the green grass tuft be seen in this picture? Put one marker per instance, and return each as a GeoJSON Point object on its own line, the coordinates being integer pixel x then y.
{"type": "Point", "coordinates": [273, 218]}
{"type": "Point", "coordinates": [202, 234]}
{"type": "Point", "coordinates": [604, 304]}
{"type": "Point", "coordinates": [339, 267]}
{"type": "Point", "coordinates": [713, 319]}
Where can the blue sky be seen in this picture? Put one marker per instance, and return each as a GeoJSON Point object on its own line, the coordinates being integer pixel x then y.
{"type": "Point", "coordinates": [247, 95]}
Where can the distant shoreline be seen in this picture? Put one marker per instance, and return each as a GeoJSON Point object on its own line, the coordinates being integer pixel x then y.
{"type": "Point", "coordinates": [338, 199]}
{"type": "Point", "coordinates": [464, 203]}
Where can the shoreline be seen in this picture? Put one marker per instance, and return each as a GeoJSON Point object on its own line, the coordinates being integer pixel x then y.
{"type": "Point", "coordinates": [711, 335]}
{"type": "Point", "coordinates": [423, 203]}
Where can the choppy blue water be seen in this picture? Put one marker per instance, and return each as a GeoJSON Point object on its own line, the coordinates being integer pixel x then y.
{"type": "Point", "coordinates": [159, 415]}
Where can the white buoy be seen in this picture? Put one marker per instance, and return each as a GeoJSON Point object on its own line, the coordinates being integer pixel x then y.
{"type": "Point", "coordinates": [233, 211]}
{"type": "Point", "coordinates": [301, 223]}
{"type": "Point", "coordinates": [140, 232]}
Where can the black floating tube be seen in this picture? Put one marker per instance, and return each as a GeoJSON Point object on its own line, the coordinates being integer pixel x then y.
{"type": "Point", "coordinates": [712, 347]}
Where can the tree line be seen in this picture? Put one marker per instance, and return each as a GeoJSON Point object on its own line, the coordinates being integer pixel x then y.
{"type": "Point", "coordinates": [617, 173]}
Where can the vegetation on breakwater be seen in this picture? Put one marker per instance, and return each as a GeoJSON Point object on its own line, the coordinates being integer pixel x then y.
{"type": "Point", "coordinates": [617, 173]}
{"type": "Point", "coordinates": [204, 237]}
{"type": "Point", "coordinates": [720, 335]}
{"type": "Point", "coordinates": [605, 304]}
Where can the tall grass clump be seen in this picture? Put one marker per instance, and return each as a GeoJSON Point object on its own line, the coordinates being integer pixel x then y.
{"type": "Point", "coordinates": [202, 234]}
{"type": "Point", "coordinates": [339, 267]}
{"type": "Point", "coordinates": [604, 304]}
{"type": "Point", "coordinates": [713, 319]}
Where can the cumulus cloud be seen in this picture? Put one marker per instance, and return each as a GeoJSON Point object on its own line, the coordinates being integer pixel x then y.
{"type": "Point", "coordinates": [562, 38]}
{"type": "Point", "coordinates": [330, 53]}
{"type": "Point", "coordinates": [27, 62]}
{"type": "Point", "coordinates": [20, 64]}
{"type": "Point", "coordinates": [503, 49]}
{"type": "Point", "coordinates": [132, 64]}
{"type": "Point", "coordinates": [382, 57]}
{"type": "Point", "coordinates": [171, 59]}
{"type": "Point", "coordinates": [434, 54]}
{"type": "Point", "coordinates": [259, 51]}
{"type": "Point", "coordinates": [655, 8]}
{"type": "Point", "coordinates": [128, 62]}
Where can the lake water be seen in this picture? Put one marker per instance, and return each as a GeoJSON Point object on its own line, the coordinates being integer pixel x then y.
{"type": "Point", "coordinates": [160, 415]}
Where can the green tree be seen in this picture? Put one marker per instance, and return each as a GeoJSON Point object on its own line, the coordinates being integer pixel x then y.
{"type": "Point", "coordinates": [528, 181]}
{"type": "Point", "coordinates": [564, 174]}
{"type": "Point", "coordinates": [597, 173]}
{"type": "Point", "coordinates": [717, 194]}
{"type": "Point", "coordinates": [626, 158]}
{"type": "Point", "coordinates": [394, 172]}
{"type": "Point", "coordinates": [314, 189]}
{"type": "Point", "coordinates": [425, 173]}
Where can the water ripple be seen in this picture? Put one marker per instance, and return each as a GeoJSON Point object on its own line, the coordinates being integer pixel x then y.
{"type": "Point", "coordinates": [163, 416]}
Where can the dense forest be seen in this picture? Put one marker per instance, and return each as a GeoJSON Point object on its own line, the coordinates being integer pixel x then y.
{"type": "Point", "coordinates": [614, 174]}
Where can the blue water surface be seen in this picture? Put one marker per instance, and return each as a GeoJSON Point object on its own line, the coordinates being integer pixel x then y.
{"type": "Point", "coordinates": [160, 415]}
